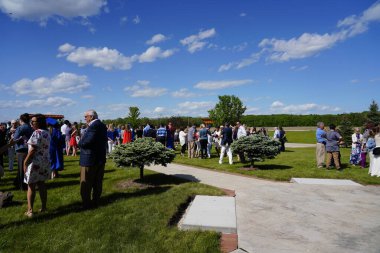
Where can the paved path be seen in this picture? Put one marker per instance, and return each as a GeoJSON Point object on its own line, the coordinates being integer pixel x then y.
{"type": "Point", "coordinates": [284, 217]}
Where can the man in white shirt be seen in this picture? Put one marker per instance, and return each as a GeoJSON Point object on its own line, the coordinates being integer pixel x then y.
{"type": "Point", "coordinates": [241, 133]}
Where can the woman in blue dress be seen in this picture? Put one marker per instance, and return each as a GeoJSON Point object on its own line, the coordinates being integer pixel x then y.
{"type": "Point", "coordinates": [56, 147]}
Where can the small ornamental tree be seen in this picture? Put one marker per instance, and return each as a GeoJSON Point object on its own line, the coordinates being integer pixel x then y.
{"type": "Point", "coordinates": [257, 147]}
{"type": "Point", "coordinates": [141, 152]}
{"type": "Point", "coordinates": [346, 131]}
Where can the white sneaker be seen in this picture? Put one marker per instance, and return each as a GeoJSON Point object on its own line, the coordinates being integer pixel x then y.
{"type": "Point", "coordinates": [220, 162]}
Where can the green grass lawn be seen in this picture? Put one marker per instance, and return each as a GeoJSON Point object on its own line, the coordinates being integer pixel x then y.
{"type": "Point", "coordinates": [129, 219]}
{"type": "Point", "coordinates": [299, 136]}
{"type": "Point", "coordinates": [296, 162]}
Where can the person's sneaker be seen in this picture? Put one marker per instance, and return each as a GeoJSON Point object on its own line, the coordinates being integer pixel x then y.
{"type": "Point", "coordinates": [220, 162]}
{"type": "Point", "coordinates": [320, 167]}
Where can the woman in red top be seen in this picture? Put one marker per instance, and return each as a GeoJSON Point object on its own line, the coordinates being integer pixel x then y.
{"type": "Point", "coordinates": [127, 136]}
{"type": "Point", "coordinates": [73, 139]}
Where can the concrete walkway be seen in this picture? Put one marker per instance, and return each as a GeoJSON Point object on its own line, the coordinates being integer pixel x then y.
{"type": "Point", "coordinates": [284, 217]}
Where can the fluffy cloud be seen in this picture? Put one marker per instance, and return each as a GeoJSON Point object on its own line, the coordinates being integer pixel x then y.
{"type": "Point", "coordinates": [48, 102]}
{"type": "Point", "coordinates": [217, 85]}
{"type": "Point", "coordinates": [196, 105]}
{"type": "Point", "coordinates": [41, 11]}
{"type": "Point", "coordinates": [309, 44]}
{"type": "Point", "coordinates": [183, 93]}
{"type": "Point", "coordinates": [156, 39]}
{"type": "Point", "coordinates": [109, 59]}
{"type": "Point", "coordinates": [43, 86]}
{"type": "Point", "coordinates": [152, 53]}
{"type": "Point", "coordinates": [159, 109]}
{"type": "Point", "coordinates": [88, 96]}
{"type": "Point", "coordinates": [142, 89]}
{"type": "Point", "coordinates": [197, 42]}
{"type": "Point", "coordinates": [279, 107]}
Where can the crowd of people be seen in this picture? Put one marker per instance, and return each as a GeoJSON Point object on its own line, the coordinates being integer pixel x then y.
{"type": "Point", "coordinates": [328, 148]}
{"type": "Point", "coordinates": [39, 144]}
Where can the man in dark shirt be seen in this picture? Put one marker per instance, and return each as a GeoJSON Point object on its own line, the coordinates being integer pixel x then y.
{"type": "Point", "coordinates": [333, 139]}
{"type": "Point", "coordinates": [226, 143]}
{"type": "Point", "coordinates": [21, 137]}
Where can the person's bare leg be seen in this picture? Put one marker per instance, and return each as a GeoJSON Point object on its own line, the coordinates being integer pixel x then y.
{"type": "Point", "coordinates": [31, 194]}
{"type": "Point", "coordinates": [43, 195]}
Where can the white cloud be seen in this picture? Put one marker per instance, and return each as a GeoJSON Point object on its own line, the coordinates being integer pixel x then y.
{"type": "Point", "coordinates": [243, 14]}
{"type": "Point", "coordinates": [183, 93]}
{"type": "Point", "coordinates": [253, 58]}
{"type": "Point", "coordinates": [197, 42]}
{"type": "Point", "coordinates": [42, 11]}
{"type": "Point", "coordinates": [204, 105]}
{"type": "Point", "coordinates": [109, 59]}
{"type": "Point", "coordinates": [136, 20]}
{"type": "Point", "coordinates": [156, 39]}
{"type": "Point", "coordinates": [46, 102]}
{"type": "Point", "coordinates": [123, 20]}
{"type": "Point", "coordinates": [277, 104]}
{"type": "Point", "coordinates": [279, 107]}
{"type": "Point", "coordinates": [142, 89]}
{"type": "Point", "coordinates": [309, 44]}
{"type": "Point", "coordinates": [152, 53]}
{"type": "Point", "coordinates": [43, 86]}
{"type": "Point", "coordinates": [301, 68]}
{"type": "Point", "coordinates": [159, 109]}
{"type": "Point", "coordinates": [217, 85]}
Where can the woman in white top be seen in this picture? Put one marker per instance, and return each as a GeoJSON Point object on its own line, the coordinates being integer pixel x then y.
{"type": "Point", "coordinates": [182, 140]}
{"type": "Point", "coordinates": [372, 144]}
{"type": "Point", "coordinates": [357, 139]}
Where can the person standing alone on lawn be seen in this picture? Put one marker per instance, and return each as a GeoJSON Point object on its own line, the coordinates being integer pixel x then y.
{"type": "Point", "coordinates": [92, 159]}
{"type": "Point", "coordinates": [321, 145]}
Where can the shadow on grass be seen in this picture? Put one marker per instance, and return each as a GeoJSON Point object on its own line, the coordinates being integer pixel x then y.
{"type": "Point", "coordinates": [271, 167]}
{"type": "Point", "coordinates": [76, 207]}
{"type": "Point", "coordinates": [288, 151]}
{"type": "Point", "coordinates": [162, 179]}
{"type": "Point", "coordinates": [59, 184]}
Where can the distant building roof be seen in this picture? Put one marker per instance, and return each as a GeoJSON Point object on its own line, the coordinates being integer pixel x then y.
{"type": "Point", "coordinates": [53, 116]}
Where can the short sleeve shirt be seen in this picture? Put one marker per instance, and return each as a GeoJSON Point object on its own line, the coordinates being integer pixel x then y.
{"type": "Point", "coordinates": [332, 141]}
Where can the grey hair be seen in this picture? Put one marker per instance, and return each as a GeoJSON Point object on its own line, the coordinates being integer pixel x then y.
{"type": "Point", "coordinates": [92, 113]}
{"type": "Point", "coordinates": [319, 124]}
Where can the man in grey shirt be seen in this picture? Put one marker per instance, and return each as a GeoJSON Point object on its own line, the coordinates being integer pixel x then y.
{"type": "Point", "coordinates": [333, 139]}
{"type": "Point", "coordinates": [190, 141]}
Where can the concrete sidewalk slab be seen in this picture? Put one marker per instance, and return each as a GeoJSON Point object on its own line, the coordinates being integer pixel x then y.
{"type": "Point", "coordinates": [322, 181]}
{"type": "Point", "coordinates": [210, 213]}
{"type": "Point", "coordinates": [277, 217]}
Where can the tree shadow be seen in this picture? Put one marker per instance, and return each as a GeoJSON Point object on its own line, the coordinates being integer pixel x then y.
{"type": "Point", "coordinates": [12, 203]}
{"type": "Point", "coordinates": [162, 179]}
{"type": "Point", "coordinates": [109, 171]}
{"type": "Point", "coordinates": [70, 175]}
{"type": "Point", "coordinates": [76, 207]}
{"type": "Point", "coordinates": [288, 151]}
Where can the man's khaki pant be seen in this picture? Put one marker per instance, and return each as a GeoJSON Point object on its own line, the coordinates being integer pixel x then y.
{"type": "Point", "coordinates": [190, 149]}
{"type": "Point", "coordinates": [335, 156]}
{"type": "Point", "coordinates": [320, 154]}
{"type": "Point", "coordinates": [91, 179]}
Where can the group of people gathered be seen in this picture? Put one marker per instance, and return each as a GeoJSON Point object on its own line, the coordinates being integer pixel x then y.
{"type": "Point", "coordinates": [39, 144]}
{"type": "Point", "coordinates": [329, 142]}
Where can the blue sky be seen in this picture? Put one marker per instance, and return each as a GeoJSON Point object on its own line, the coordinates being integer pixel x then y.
{"type": "Point", "coordinates": [176, 57]}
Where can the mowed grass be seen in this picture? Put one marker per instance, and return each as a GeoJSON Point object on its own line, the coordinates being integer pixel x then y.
{"type": "Point", "coordinates": [299, 136]}
{"type": "Point", "coordinates": [294, 162]}
{"type": "Point", "coordinates": [133, 219]}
